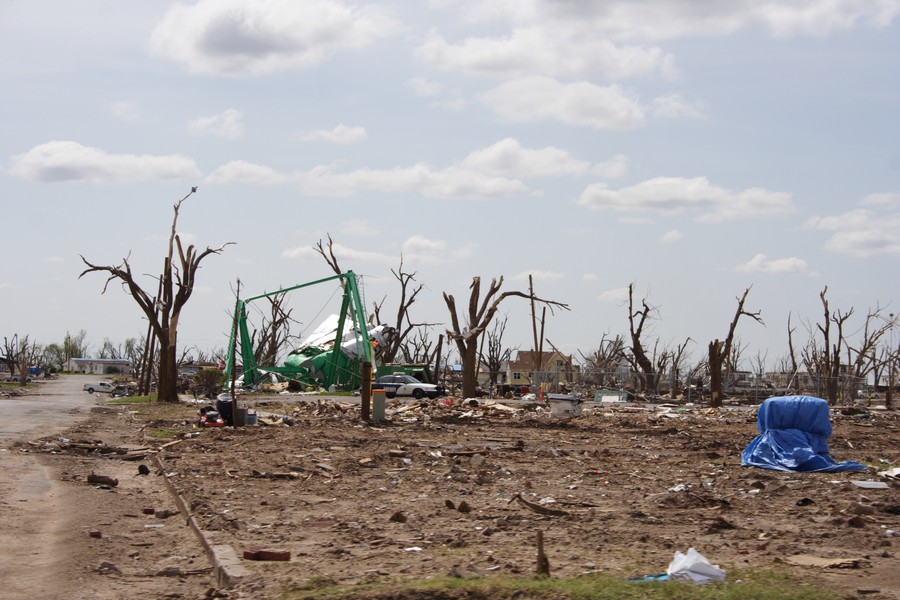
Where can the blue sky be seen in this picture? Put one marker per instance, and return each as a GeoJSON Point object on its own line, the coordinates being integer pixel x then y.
{"type": "Point", "coordinates": [693, 148]}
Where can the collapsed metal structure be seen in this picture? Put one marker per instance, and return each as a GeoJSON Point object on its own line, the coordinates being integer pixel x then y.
{"type": "Point", "coordinates": [332, 363]}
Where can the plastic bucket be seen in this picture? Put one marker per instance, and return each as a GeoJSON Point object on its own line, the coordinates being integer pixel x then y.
{"type": "Point", "coordinates": [251, 416]}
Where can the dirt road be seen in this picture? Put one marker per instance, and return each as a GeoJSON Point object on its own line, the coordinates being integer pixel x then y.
{"type": "Point", "coordinates": [31, 508]}
{"type": "Point", "coordinates": [62, 538]}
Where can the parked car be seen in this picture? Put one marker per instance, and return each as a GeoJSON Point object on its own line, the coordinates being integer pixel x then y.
{"type": "Point", "coordinates": [406, 385]}
{"type": "Point", "coordinates": [99, 386]}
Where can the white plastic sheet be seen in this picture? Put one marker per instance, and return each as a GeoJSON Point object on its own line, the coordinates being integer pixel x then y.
{"type": "Point", "coordinates": [693, 566]}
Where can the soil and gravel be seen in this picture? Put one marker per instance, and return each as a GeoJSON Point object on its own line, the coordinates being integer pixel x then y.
{"type": "Point", "coordinates": [460, 488]}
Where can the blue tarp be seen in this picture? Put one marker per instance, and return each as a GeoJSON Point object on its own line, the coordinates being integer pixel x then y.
{"type": "Point", "coordinates": [793, 436]}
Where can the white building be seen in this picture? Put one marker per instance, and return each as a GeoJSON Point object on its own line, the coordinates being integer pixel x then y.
{"type": "Point", "coordinates": [102, 366]}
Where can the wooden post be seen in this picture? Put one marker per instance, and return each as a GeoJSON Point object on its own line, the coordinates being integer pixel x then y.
{"type": "Point", "coordinates": [543, 565]}
{"type": "Point", "coordinates": [366, 391]}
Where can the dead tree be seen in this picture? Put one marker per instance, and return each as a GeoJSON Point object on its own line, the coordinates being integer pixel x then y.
{"type": "Point", "coordinates": [10, 353]}
{"type": "Point", "coordinates": [403, 325]}
{"type": "Point", "coordinates": [163, 313]}
{"type": "Point", "coordinates": [496, 353]}
{"type": "Point", "coordinates": [480, 314]}
{"type": "Point", "coordinates": [720, 352]}
{"type": "Point", "coordinates": [678, 357]}
{"type": "Point", "coordinates": [863, 358]}
{"type": "Point", "coordinates": [795, 379]}
{"type": "Point", "coordinates": [640, 362]}
{"type": "Point", "coordinates": [600, 366]}
{"type": "Point", "coordinates": [274, 331]}
{"type": "Point", "coordinates": [25, 354]}
{"type": "Point", "coordinates": [824, 361]}
{"type": "Point", "coordinates": [409, 290]}
{"type": "Point", "coordinates": [329, 257]}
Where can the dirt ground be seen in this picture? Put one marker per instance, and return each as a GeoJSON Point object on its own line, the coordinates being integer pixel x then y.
{"type": "Point", "coordinates": [461, 490]}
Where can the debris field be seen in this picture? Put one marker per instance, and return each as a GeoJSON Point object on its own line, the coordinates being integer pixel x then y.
{"type": "Point", "coordinates": [463, 488]}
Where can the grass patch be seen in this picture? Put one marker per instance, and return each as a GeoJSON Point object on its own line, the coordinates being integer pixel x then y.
{"type": "Point", "coordinates": [162, 433]}
{"type": "Point", "coordinates": [151, 399]}
{"type": "Point", "coordinates": [741, 585]}
{"type": "Point", "coordinates": [9, 386]}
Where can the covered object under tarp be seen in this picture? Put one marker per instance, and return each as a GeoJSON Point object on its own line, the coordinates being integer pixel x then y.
{"type": "Point", "coordinates": [793, 436]}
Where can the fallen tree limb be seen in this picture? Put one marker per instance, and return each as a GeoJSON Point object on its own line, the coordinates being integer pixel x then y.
{"type": "Point", "coordinates": [538, 508]}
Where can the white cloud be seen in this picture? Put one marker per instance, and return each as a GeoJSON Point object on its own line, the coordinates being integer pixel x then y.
{"type": "Point", "coordinates": [863, 232]}
{"type": "Point", "coordinates": [539, 275]}
{"type": "Point", "coordinates": [444, 97]}
{"type": "Point", "coordinates": [125, 110]}
{"type": "Point", "coordinates": [589, 277]}
{"type": "Point", "coordinates": [779, 266]}
{"type": "Point", "coordinates": [507, 158]}
{"type": "Point", "coordinates": [344, 254]}
{"type": "Point", "coordinates": [582, 104]}
{"type": "Point", "coordinates": [452, 182]}
{"type": "Point", "coordinates": [359, 227]}
{"type": "Point", "coordinates": [888, 200]}
{"type": "Point", "coordinates": [617, 295]}
{"type": "Point", "coordinates": [654, 20]}
{"type": "Point", "coordinates": [675, 106]}
{"type": "Point", "coordinates": [671, 196]}
{"type": "Point", "coordinates": [70, 161]}
{"type": "Point", "coordinates": [238, 38]}
{"type": "Point", "coordinates": [242, 171]}
{"type": "Point", "coordinates": [54, 259]}
{"type": "Point", "coordinates": [555, 51]}
{"type": "Point", "coordinates": [670, 237]}
{"type": "Point", "coordinates": [227, 125]}
{"type": "Point", "coordinates": [613, 168]}
{"type": "Point", "coordinates": [425, 88]}
{"type": "Point", "coordinates": [419, 249]}
{"type": "Point", "coordinates": [341, 134]}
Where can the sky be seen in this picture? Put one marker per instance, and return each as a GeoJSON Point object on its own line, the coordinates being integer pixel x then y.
{"type": "Point", "coordinates": [692, 148]}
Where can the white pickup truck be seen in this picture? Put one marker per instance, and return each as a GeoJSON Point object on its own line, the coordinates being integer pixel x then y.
{"type": "Point", "coordinates": [99, 386]}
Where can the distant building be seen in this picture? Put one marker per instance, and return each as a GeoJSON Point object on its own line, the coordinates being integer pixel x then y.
{"type": "Point", "coordinates": [102, 366]}
{"type": "Point", "coordinates": [556, 369]}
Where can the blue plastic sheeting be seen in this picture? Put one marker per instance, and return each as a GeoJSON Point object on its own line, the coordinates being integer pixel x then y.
{"type": "Point", "coordinates": [793, 436]}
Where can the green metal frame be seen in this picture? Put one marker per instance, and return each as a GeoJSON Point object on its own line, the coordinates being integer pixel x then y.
{"type": "Point", "coordinates": [351, 303]}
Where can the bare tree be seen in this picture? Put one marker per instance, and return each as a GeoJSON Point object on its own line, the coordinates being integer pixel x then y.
{"type": "Point", "coordinates": [20, 355]}
{"type": "Point", "coordinates": [824, 360]}
{"type": "Point", "coordinates": [164, 312]}
{"type": "Point", "coordinates": [110, 350]}
{"type": "Point", "coordinates": [75, 346]}
{"type": "Point", "coordinates": [10, 353]}
{"type": "Point", "coordinates": [418, 348]}
{"type": "Point", "coordinates": [480, 314]}
{"type": "Point", "coordinates": [863, 358]}
{"type": "Point", "coordinates": [28, 353]}
{"type": "Point", "coordinates": [403, 326]}
{"type": "Point", "coordinates": [497, 354]}
{"type": "Point", "coordinates": [795, 380]}
{"type": "Point", "coordinates": [734, 361]}
{"type": "Point", "coordinates": [329, 256]}
{"type": "Point", "coordinates": [274, 331]}
{"type": "Point", "coordinates": [600, 366]}
{"type": "Point", "coordinates": [720, 352]}
{"type": "Point", "coordinates": [759, 365]}
{"type": "Point", "coordinates": [637, 356]}
{"type": "Point", "coordinates": [678, 357]}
